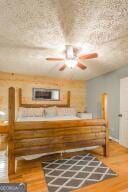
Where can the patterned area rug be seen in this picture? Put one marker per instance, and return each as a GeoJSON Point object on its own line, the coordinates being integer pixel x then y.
{"type": "Point", "coordinates": [75, 172]}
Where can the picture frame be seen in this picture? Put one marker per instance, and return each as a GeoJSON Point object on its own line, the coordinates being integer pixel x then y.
{"type": "Point", "coordinates": [45, 94]}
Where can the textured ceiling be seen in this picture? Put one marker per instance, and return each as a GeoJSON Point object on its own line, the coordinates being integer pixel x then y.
{"type": "Point", "coordinates": [31, 30]}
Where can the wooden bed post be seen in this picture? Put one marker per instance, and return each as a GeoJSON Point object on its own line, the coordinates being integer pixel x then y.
{"type": "Point", "coordinates": [68, 98]}
{"type": "Point", "coordinates": [20, 97]}
{"type": "Point", "coordinates": [11, 120]}
{"type": "Point", "coordinates": [105, 116]}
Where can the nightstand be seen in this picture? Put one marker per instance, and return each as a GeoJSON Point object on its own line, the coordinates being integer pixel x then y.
{"type": "Point", "coordinates": [3, 136]}
{"type": "Point", "coordinates": [3, 128]}
{"type": "Point", "coordinates": [84, 115]}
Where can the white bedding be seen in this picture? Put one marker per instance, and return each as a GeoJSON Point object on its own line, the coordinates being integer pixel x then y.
{"type": "Point", "coordinates": [31, 157]}
{"type": "Point", "coordinates": [56, 118]}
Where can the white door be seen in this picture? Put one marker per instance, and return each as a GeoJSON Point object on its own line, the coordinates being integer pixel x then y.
{"type": "Point", "coordinates": [123, 132]}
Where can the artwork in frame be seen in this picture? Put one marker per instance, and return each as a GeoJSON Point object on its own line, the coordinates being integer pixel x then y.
{"type": "Point", "coordinates": [45, 94]}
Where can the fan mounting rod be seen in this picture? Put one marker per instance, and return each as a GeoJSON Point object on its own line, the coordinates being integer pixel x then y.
{"type": "Point", "coordinates": [69, 52]}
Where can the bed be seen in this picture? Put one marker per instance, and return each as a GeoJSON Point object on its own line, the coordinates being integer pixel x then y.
{"type": "Point", "coordinates": [37, 136]}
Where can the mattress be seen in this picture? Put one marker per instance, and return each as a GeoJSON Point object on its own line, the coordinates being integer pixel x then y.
{"type": "Point", "coordinates": [36, 156]}
{"type": "Point", "coordinates": [56, 118]}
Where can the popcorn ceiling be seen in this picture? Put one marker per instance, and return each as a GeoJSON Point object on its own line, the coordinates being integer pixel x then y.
{"type": "Point", "coordinates": [32, 30]}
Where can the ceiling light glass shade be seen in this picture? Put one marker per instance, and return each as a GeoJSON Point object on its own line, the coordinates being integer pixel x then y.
{"type": "Point", "coordinates": [71, 63]}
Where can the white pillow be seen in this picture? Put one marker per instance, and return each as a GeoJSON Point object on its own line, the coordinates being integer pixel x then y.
{"type": "Point", "coordinates": [38, 112]}
{"type": "Point", "coordinates": [30, 112]}
{"type": "Point", "coordinates": [65, 111]}
{"type": "Point", "coordinates": [50, 112]}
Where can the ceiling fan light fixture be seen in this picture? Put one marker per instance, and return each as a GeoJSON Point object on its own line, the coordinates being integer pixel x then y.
{"type": "Point", "coordinates": [71, 59]}
{"type": "Point", "coordinates": [71, 63]}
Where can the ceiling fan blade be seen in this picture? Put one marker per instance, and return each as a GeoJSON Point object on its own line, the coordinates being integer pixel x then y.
{"type": "Point", "coordinates": [54, 59]}
{"type": "Point", "coordinates": [81, 66]}
{"type": "Point", "coordinates": [89, 56]}
{"type": "Point", "coordinates": [63, 67]}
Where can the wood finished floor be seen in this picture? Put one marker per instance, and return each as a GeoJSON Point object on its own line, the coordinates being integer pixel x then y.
{"type": "Point", "coordinates": [31, 172]}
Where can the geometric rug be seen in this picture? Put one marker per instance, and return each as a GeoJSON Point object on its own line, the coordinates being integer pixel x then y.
{"type": "Point", "coordinates": [75, 172]}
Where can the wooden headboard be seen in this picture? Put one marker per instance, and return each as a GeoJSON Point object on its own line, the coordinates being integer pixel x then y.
{"type": "Point", "coordinates": [67, 104]}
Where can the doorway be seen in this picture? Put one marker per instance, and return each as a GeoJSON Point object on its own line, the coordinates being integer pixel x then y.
{"type": "Point", "coordinates": [123, 132]}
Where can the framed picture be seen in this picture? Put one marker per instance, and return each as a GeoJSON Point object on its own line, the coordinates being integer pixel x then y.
{"type": "Point", "coordinates": [45, 94]}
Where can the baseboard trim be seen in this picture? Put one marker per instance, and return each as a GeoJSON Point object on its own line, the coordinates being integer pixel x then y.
{"type": "Point", "coordinates": [114, 139]}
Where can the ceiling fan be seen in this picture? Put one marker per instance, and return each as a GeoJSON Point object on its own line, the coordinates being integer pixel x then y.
{"type": "Point", "coordinates": [71, 60]}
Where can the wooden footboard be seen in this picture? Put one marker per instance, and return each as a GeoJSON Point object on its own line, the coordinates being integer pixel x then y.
{"type": "Point", "coordinates": [27, 138]}
{"type": "Point", "coordinates": [42, 137]}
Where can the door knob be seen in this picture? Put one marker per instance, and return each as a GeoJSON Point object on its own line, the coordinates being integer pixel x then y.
{"type": "Point", "coordinates": [120, 115]}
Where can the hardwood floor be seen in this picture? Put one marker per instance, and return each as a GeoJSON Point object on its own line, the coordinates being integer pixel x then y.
{"type": "Point", "coordinates": [3, 159]}
{"type": "Point", "coordinates": [31, 171]}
